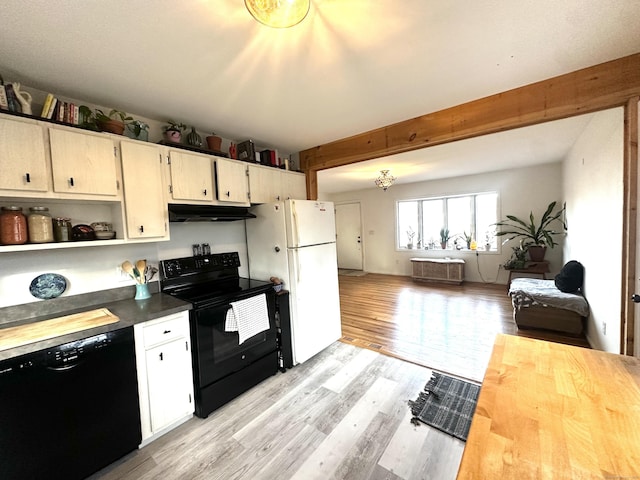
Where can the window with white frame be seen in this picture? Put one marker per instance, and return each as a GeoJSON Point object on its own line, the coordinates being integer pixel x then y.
{"type": "Point", "coordinates": [467, 218]}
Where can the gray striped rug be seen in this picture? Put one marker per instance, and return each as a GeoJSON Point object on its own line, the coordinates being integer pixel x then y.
{"type": "Point", "coordinates": [447, 404]}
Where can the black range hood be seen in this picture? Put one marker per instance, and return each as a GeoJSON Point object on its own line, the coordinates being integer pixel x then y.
{"type": "Point", "coordinates": [207, 213]}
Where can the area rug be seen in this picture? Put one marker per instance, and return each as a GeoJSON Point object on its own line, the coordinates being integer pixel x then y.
{"type": "Point", "coordinates": [447, 404]}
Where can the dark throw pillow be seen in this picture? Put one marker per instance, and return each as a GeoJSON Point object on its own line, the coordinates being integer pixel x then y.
{"type": "Point", "coordinates": [570, 278]}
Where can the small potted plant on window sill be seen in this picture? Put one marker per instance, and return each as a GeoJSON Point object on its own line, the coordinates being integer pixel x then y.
{"type": "Point", "coordinates": [444, 237]}
{"type": "Point", "coordinates": [410, 235]}
{"type": "Point", "coordinates": [467, 239]}
{"type": "Point", "coordinates": [173, 131]}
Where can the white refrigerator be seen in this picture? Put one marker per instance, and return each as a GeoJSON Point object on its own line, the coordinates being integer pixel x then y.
{"type": "Point", "coordinates": [295, 241]}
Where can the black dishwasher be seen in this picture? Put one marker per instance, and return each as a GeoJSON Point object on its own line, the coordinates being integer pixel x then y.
{"type": "Point", "coordinates": [68, 411]}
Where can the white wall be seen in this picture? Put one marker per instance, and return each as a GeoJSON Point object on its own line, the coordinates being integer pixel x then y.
{"type": "Point", "coordinates": [90, 269]}
{"type": "Point", "coordinates": [521, 191]}
{"type": "Point", "coordinates": [593, 187]}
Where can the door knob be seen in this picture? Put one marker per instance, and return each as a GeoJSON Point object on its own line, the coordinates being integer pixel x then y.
{"type": "Point", "coordinates": [636, 298]}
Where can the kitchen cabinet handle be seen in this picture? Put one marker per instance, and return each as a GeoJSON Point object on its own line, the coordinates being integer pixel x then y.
{"type": "Point", "coordinates": [71, 182]}
{"type": "Point", "coordinates": [28, 177]}
{"type": "Point", "coordinates": [228, 194]}
{"type": "Point", "coordinates": [166, 331]}
{"type": "Point", "coordinates": [141, 228]}
{"type": "Point", "coordinates": [161, 356]}
{"type": "Point", "coordinates": [278, 197]}
{"type": "Point", "coordinates": [205, 192]}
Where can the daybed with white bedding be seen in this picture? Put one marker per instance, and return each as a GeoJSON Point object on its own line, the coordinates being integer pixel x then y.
{"type": "Point", "coordinates": [539, 304]}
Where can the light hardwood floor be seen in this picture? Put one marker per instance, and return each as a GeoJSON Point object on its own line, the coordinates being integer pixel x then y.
{"type": "Point", "coordinates": [450, 328]}
{"type": "Point", "coordinates": [341, 415]}
{"type": "Point", "coordinates": [344, 414]}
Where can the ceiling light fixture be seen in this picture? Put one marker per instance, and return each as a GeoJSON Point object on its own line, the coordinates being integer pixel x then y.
{"type": "Point", "coordinates": [385, 180]}
{"type": "Point", "coordinates": [278, 13]}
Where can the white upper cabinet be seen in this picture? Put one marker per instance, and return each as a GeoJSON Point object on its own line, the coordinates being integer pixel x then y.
{"type": "Point", "coordinates": [83, 163]}
{"type": "Point", "coordinates": [145, 210]}
{"type": "Point", "coordinates": [23, 160]}
{"type": "Point", "coordinates": [231, 181]}
{"type": "Point", "coordinates": [265, 184]}
{"type": "Point", "coordinates": [294, 185]}
{"type": "Point", "coordinates": [191, 176]}
{"type": "Point", "coordinates": [268, 184]}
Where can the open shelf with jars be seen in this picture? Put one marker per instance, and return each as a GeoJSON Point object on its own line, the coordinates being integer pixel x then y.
{"type": "Point", "coordinates": [84, 213]}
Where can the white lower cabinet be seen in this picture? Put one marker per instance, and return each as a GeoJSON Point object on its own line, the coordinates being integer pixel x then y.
{"type": "Point", "coordinates": [165, 382]}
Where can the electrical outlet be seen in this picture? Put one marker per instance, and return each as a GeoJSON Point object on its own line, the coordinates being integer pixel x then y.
{"type": "Point", "coordinates": [604, 328]}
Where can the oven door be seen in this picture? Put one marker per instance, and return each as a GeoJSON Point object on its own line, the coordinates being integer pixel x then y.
{"type": "Point", "coordinates": [217, 353]}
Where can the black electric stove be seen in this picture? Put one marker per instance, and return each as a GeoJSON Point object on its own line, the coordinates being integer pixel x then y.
{"type": "Point", "coordinates": [206, 279]}
{"type": "Point", "coordinates": [223, 368]}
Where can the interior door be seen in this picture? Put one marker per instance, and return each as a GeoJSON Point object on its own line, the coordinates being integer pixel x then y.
{"type": "Point", "coordinates": [349, 236]}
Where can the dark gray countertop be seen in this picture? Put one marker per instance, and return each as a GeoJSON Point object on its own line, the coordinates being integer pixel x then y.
{"type": "Point", "coordinates": [128, 310]}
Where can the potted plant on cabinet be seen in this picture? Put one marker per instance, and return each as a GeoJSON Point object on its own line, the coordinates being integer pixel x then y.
{"type": "Point", "coordinates": [87, 119]}
{"type": "Point", "coordinates": [138, 130]}
{"type": "Point", "coordinates": [114, 122]}
{"type": "Point", "coordinates": [173, 131]}
{"type": "Point", "coordinates": [535, 237]}
{"type": "Point", "coordinates": [214, 142]}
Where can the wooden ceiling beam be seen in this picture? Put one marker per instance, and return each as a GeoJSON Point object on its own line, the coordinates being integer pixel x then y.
{"type": "Point", "coordinates": [602, 86]}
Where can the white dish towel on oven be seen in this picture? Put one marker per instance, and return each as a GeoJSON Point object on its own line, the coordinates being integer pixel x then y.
{"type": "Point", "coordinates": [248, 317]}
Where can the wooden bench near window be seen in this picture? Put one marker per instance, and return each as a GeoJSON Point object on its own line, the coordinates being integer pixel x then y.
{"type": "Point", "coordinates": [446, 270]}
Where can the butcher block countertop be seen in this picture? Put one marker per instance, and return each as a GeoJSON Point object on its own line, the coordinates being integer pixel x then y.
{"type": "Point", "coordinates": [34, 332]}
{"type": "Point", "coordinates": [552, 411]}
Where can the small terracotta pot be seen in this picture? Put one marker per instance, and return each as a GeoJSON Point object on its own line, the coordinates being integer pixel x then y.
{"type": "Point", "coordinates": [214, 142]}
{"type": "Point", "coordinates": [174, 136]}
{"type": "Point", "coordinates": [111, 126]}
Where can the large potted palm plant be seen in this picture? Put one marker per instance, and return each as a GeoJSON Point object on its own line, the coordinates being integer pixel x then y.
{"type": "Point", "coordinates": [534, 236]}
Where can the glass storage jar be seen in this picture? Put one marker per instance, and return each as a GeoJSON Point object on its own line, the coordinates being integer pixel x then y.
{"type": "Point", "coordinates": [62, 229]}
{"type": "Point", "coordinates": [40, 225]}
{"type": "Point", "coordinates": [13, 226]}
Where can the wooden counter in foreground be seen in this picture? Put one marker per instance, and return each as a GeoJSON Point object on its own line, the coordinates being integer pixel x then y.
{"type": "Point", "coordinates": [553, 411]}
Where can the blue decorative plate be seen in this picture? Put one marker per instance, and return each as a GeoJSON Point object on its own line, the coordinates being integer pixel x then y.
{"type": "Point", "coordinates": [48, 285]}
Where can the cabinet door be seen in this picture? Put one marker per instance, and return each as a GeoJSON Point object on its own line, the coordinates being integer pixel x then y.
{"type": "Point", "coordinates": [169, 379]}
{"type": "Point", "coordinates": [22, 156]}
{"type": "Point", "coordinates": [142, 177]}
{"type": "Point", "coordinates": [294, 186]}
{"type": "Point", "coordinates": [264, 184]}
{"type": "Point", "coordinates": [83, 163]}
{"type": "Point", "coordinates": [231, 178]}
{"type": "Point", "coordinates": [191, 176]}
